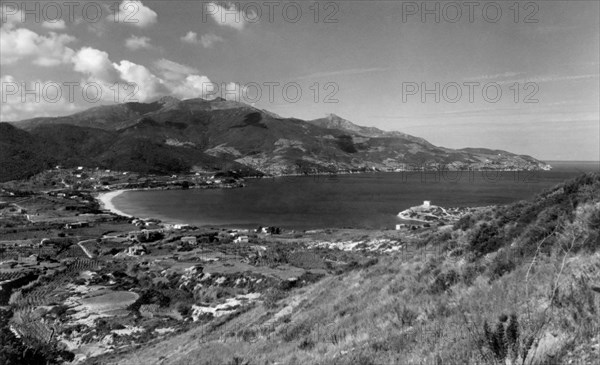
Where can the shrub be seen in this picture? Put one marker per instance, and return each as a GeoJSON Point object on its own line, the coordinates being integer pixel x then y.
{"type": "Point", "coordinates": [464, 223]}
{"type": "Point", "coordinates": [502, 264]}
{"type": "Point", "coordinates": [486, 239]}
{"type": "Point", "coordinates": [405, 316]}
{"type": "Point", "coordinates": [470, 273]}
{"type": "Point", "coordinates": [294, 332]}
{"type": "Point", "coordinates": [505, 342]}
{"type": "Point", "coordinates": [184, 309]}
{"type": "Point", "coordinates": [271, 297]}
{"type": "Point", "coordinates": [443, 282]}
{"type": "Point", "coordinates": [306, 344]}
{"type": "Point", "coordinates": [150, 296]}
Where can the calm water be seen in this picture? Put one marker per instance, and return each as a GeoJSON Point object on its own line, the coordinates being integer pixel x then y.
{"type": "Point", "coordinates": [361, 201]}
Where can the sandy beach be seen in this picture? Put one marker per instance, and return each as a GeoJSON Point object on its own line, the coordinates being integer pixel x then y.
{"type": "Point", "coordinates": [105, 200]}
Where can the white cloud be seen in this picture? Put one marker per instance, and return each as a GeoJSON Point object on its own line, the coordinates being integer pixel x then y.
{"type": "Point", "coordinates": [171, 70]}
{"type": "Point", "coordinates": [121, 82]}
{"type": "Point", "coordinates": [135, 43]}
{"type": "Point", "coordinates": [233, 91]}
{"type": "Point", "coordinates": [56, 25]}
{"type": "Point", "coordinates": [194, 86]}
{"type": "Point", "coordinates": [229, 15]}
{"type": "Point", "coordinates": [184, 81]}
{"type": "Point", "coordinates": [134, 13]}
{"type": "Point", "coordinates": [173, 78]}
{"type": "Point", "coordinates": [190, 37]}
{"type": "Point", "coordinates": [149, 86]}
{"type": "Point", "coordinates": [20, 43]}
{"type": "Point", "coordinates": [208, 40]}
{"type": "Point", "coordinates": [94, 63]}
{"type": "Point", "coordinates": [10, 19]}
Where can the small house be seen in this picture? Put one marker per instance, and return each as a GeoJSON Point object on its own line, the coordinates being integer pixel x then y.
{"type": "Point", "coordinates": [136, 250]}
{"type": "Point", "coordinates": [241, 239]}
{"type": "Point", "coordinates": [190, 240]}
{"type": "Point", "coordinates": [76, 225]}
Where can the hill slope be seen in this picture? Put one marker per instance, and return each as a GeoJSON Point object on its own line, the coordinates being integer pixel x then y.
{"type": "Point", "coordinates": [171, 136]}
{"type": "Point", "coordinates": [532, 298]}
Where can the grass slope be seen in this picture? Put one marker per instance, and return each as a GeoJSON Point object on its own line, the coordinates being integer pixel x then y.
{"type": "Point", "coordinates": [516, 284]}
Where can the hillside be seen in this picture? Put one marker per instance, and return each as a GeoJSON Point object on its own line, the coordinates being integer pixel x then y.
{"type": "Point", "coordinates": [170, 136]}
{"type": "Point", "coordinates": [516, 284]}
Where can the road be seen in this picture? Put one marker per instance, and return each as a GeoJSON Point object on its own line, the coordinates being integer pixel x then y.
{"type": "Point", "coordinates": [85, 250]}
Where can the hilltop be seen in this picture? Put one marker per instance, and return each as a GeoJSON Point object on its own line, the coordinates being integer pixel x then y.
{"type": "Point", "coordinates": [174, 136]}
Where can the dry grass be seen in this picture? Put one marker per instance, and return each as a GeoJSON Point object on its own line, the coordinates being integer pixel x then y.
{"type": "Point", "coordinates": [386, 315]}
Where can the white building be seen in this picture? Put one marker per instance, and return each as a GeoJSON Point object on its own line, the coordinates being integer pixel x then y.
{"type": "Point", "coordinates": [426, 203]}
{"type": "Point", "coordinates": [241, 239]}
{"type": "Point", "coordinates": [190, 240]}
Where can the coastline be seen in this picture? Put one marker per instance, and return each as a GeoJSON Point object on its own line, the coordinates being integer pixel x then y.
{"type": "Point", "coordinates": [105, 200]}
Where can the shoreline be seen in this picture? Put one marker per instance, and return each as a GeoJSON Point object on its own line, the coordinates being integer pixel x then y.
{"type": "Point", "coordinates": [106, 203]}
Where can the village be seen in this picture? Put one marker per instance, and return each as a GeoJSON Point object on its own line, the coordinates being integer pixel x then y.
{"type": "Point", "coordinates": [60, 181]}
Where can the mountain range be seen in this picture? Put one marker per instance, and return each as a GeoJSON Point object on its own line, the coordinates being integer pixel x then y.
{"type": "Point", "coordinates": [175, 136]}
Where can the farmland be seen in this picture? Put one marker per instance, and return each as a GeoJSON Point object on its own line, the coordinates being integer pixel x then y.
{"type": "Point", "coordinates": [79, 282]}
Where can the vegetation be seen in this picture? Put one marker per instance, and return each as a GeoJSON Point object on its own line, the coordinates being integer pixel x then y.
{"type": "Point", "coordinates": [14, 351]}
{"type": "Point", "coordinates": [515, 284]}
{"type": "Point", "coordinates": [507, 285]}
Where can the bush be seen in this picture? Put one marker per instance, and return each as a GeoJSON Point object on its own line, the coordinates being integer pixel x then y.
{"type": "Point", "coordinates": [502, 264]}
{"type": "Point", "coordinates": [271, 297]}
{"type": "Point", "coordinates": [486, 239]}
{"type": "Point", "coordinates": [405, 316]}
{"type": "Point", "coordinates": [306, 344]}
{"type": "Point", "coordinates": [505, 342]}
{"type": "Point", "coordinates": [184, 309]}
{"type": "Point", "coordinates": [294, 332]}
{"type": "Point", "coordinates": [464, 223]}
{"type": "Point", "coordinates": [150, 296]}
{"type": "Point", "coordinates": [443, 282]}
{"type": "Point", "coordinates": [470, 273]}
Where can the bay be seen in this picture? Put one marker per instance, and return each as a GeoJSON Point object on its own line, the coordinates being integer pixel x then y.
{"type": "Point", "coordinates": [370, 200]}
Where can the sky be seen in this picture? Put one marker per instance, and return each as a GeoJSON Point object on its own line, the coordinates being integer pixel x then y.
{"type": "Point", "coordinates": [460, 74]}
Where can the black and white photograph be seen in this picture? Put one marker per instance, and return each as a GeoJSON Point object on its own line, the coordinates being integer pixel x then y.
{"type": "Point", "coordinates": [297, 182]}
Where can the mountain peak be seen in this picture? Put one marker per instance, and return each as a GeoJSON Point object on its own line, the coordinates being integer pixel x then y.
{"type": "Point", "coordinates": [167, 99]}
{"type": "Point", "coordinates": [334, 121]}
